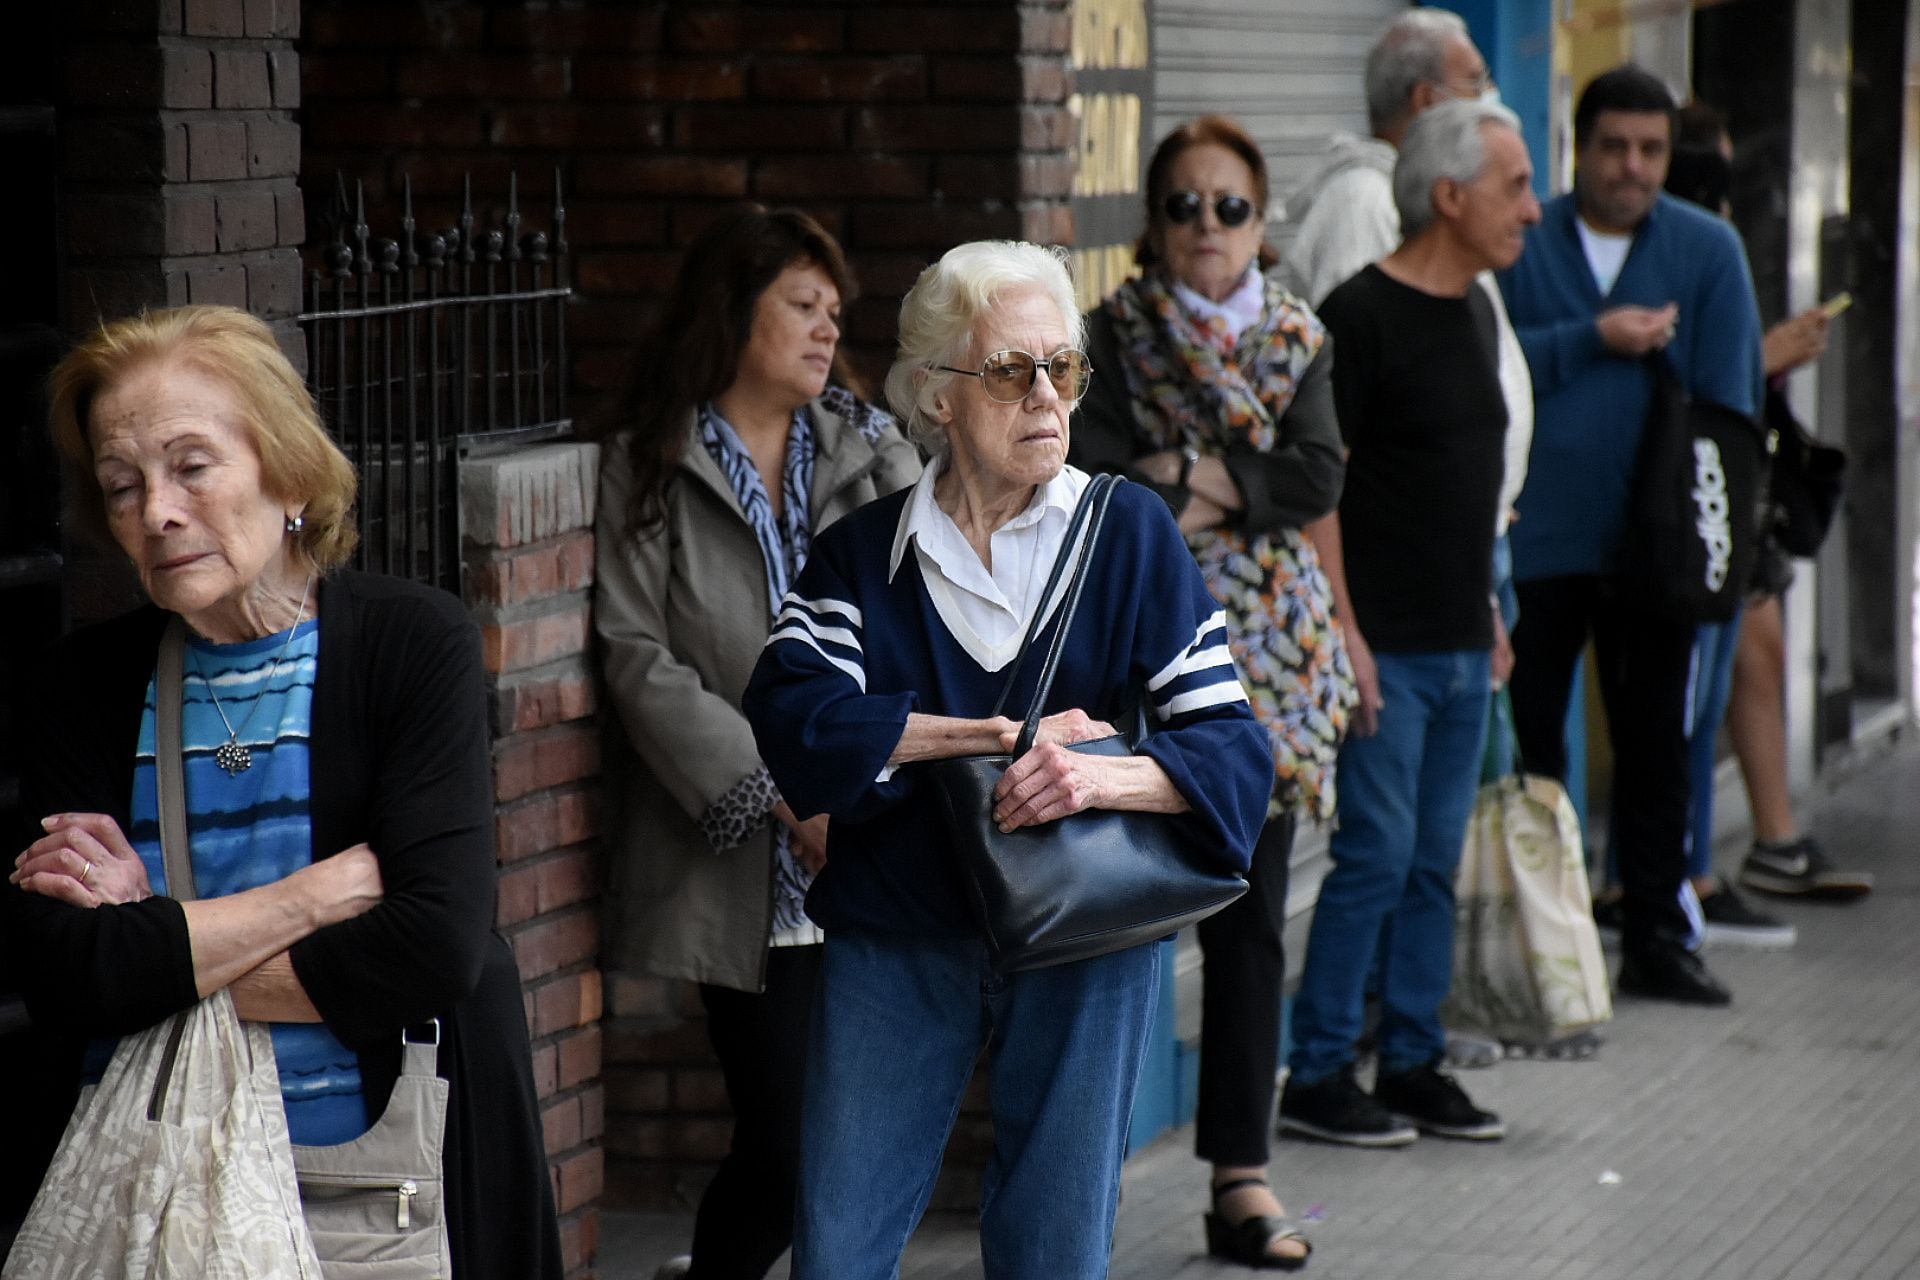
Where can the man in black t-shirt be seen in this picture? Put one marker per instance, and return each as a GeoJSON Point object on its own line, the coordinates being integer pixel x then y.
{"type": "Point", "coordinates": [1417, 387]}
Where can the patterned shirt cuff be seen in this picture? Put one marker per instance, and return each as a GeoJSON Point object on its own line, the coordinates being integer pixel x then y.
{"type": "Point", "coordinates": [741, 811]}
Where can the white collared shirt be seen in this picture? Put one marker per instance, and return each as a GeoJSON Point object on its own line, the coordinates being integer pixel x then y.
{"type": "Point", "coordinates": [987, 611]}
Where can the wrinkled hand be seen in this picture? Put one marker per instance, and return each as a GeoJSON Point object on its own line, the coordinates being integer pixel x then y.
{"type": "Point", "coordinates": [1502, 652]}
{"type": "Point", "coordinates": [809, 837]}
{"type": "Point", "coordinates": [1048, 782]}
{"type": "Point", "coordinates": [1065, 728]}
{"type": "Point", "coordinates": [1795, 342]}
{"type": "Point", "coordinates": [1634, 331]}
{"type": "Point", "coordinates": [1366, 678]}
{"type": "Point", "coordinates": [83, 860]}
{"type": "Point", "coordinates": [344, 886]}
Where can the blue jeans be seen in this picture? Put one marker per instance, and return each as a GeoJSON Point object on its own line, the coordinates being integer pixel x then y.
{"type": "Point", "coordinates": [897, 1027]}
{"type": "Point", "coordinates": [1713, 655]}
{"type": "Point", "coordinates": [1405, 796]}
{"type": "Point", "coordinates": [1499, 751]}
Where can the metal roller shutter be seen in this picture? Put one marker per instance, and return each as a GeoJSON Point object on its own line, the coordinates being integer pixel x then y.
{"type": "Point", "coordinates": [1289, 70]}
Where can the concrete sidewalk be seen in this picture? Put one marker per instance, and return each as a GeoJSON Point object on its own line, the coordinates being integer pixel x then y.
{"type": "Point", "coordinates": [1777, 1139]}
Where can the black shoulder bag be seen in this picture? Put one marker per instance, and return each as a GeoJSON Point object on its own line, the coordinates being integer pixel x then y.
{"type": "Point", "coordinates": [1094, 882]}
{"type": "Point", "coordinates": [1694, 520]}
{"type": "Point", "coordinates": [1808, 480]}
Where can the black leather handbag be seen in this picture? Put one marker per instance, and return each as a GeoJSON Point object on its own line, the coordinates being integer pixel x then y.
{"type": "Point", "coordinates": [1694, 521]}
{"type": "Point", "coordinates": [1091, 883]}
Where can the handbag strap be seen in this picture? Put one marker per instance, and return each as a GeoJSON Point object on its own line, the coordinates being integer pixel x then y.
{"type": "Point", "coordinates": [1089, 515]}
{"type": "Point", "coordinates": [1081, 511]}
{"type": "Point", "coordinates": [168, 762]}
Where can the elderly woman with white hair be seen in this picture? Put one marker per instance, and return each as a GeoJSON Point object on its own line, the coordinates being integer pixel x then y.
{"type": "Point", "coordinates": [891, 650]}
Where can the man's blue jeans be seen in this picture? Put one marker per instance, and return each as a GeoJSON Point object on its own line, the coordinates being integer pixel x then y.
{"type": "Point", "coordinates": [898, 1025]}
{"type": "Point", "coordinates": [1713, 658]}
{"type": "Point", "coordinates": [1405, 796]}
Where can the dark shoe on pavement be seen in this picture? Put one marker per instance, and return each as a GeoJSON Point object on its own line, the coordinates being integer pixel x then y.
{"type": "Point", "coordinates": [1434, 1102]}
{"type": "Point", "coordinates": [1731, 922]}
{"type": "Point", "coordinates": [1670, 972]}
{"type": "Point", "coordinates": [1799, 869]}
{"type": "Point", "coordinates": [1337, 1109]}
{"type": "Point", "coordinates": [1250, 1241]}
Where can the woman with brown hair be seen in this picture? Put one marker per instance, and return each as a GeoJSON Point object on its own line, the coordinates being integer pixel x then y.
{"type": "Point", "coordinates": [737, 440]}
{"type": "Point", "coordinates": [1217, 392]}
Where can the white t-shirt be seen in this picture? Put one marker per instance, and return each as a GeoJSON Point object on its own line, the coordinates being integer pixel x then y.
{"type": "Point", "coordinates": [1606, 254]}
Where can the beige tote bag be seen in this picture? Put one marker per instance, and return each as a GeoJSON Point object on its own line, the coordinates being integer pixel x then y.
{"type": "Point", "coordinates": [175, 1164]}
{"type": "Point", "coordinates": [1527, 963]}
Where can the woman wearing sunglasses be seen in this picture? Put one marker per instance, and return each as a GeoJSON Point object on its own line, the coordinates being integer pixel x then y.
{"type": "Point", "coordinates": [1216, 390]}
{"type": "Point", "coordinates": [893, 648]}
{"type": "Point", "coordinates": [735, 443]}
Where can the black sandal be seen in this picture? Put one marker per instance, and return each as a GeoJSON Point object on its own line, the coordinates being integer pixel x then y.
{"type": "Point", "coordinates": [1247, 1241]}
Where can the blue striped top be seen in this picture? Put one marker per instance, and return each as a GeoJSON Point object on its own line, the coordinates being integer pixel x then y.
{"type": "Point", "coordinates": [252, 828]}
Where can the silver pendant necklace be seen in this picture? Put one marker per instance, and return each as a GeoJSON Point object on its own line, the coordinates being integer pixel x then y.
{"type": "Point", "coordinates": [232, 755]}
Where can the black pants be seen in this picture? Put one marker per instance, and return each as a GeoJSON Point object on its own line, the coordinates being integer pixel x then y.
{"type": "Point", "coordinates": [1240, 992]}
{"type": "Point", "coordinates": [745, 1220]}
{"type": "Point", "coordinates": [1644, 661]}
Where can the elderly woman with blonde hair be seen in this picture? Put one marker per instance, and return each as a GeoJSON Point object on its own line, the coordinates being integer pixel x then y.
{"type": "Point", "coordinates": [337, 779]}
{"type": "Point", "coordinates": [889, 652]}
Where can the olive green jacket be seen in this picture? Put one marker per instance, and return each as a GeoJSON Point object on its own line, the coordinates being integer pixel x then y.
{"type": "Point", "coordinates": [681, 616]}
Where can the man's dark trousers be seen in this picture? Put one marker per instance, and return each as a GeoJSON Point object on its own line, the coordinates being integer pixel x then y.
{"type": "Point", "coordinates": [1644, 661]}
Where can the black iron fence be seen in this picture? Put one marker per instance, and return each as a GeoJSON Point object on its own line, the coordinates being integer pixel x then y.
{"type": "Point", "coordinates": [432, 346]}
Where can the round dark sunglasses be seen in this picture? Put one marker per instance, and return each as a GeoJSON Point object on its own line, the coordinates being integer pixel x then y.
{"type": "Point", "coordinates": [1182, 207]}
{"type": "Point", "coordinates": [1010, 375]}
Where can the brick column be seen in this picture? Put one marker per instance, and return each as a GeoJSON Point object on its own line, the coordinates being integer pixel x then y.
{"type": "Point", "coordinates": [528, 554]}
{"type": "Point", "coordinates": [181, 158]}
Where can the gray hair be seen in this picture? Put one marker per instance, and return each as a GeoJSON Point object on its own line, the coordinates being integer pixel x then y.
{"type": "Point", "coordinates": [1411, 51]}
{"type": "Point", "coordinates": [1445, 141]}
{"type": "Point", "coordinates": [937, 315]}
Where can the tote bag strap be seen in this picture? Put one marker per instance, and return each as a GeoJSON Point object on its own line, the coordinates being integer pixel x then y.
{"type": "Point", "coordinates": [1091, 508]}
{"type": "Point", "coordinates": [169, 763]}
{"type": "Point", "coordinates": [1097, 499]}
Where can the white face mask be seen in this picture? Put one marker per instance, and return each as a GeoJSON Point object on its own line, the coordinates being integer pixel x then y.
{"type": "Point", "coordinates": [1490, 96]}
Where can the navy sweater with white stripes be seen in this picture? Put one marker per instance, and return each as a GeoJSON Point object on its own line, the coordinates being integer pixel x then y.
{"type": "Point", "coordinates": [856, 648]}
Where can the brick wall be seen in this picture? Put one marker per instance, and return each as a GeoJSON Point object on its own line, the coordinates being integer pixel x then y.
{"type": "Point", "coordinates": [528, 566]}
{"type": "Point", "coordinates": [905, 127]}
{"type": "Point", "coordinates": [180, 157]}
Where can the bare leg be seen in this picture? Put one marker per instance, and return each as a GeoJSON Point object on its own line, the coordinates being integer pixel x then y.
{"type": "Point", "coordinates": [1757, 722]}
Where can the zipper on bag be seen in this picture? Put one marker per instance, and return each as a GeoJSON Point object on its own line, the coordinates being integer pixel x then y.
{"type": "Point", "coordinates": [354, 1189]}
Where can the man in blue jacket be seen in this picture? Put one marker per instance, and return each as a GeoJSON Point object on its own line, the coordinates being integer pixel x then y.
{"type": "Point", "coordinates": [1617, 273]}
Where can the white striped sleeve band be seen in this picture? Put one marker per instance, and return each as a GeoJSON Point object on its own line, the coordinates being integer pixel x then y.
{"type": "Point", "coordinates": [831, 628]}
{"type": "Point", "coordinates": [1201, 676]}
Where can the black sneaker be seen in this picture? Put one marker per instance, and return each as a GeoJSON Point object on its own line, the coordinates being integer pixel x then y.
{"type": "Point", "coordinates": [1731, 922]}
{"type": "Point", "coordinates": [1800, 870]}
{"type": "Point", "coordinates": [1337, 1109]}
{"type": "Point", "coordinates": [1435, 1103]}
{"type": "Point", "coordinates": [1670, 972]}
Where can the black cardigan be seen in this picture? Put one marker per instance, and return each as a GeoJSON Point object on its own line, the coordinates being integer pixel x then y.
{"type": "Point", "coordinates": [400, 749]}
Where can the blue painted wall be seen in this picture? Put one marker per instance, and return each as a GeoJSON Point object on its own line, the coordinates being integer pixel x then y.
{"type": "Point", "coordinates": [1516, 38]}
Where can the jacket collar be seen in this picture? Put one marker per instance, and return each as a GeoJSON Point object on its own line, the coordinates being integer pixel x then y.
{"type": "Point", "coordinates": [843, 456]}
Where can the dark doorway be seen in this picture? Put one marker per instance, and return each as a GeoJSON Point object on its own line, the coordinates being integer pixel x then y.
{"type": "Point", "coordinates": [32, 602]}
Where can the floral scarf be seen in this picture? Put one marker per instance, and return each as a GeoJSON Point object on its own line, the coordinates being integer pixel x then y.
{"type": "Point", "coordinates": [1192, 383]}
